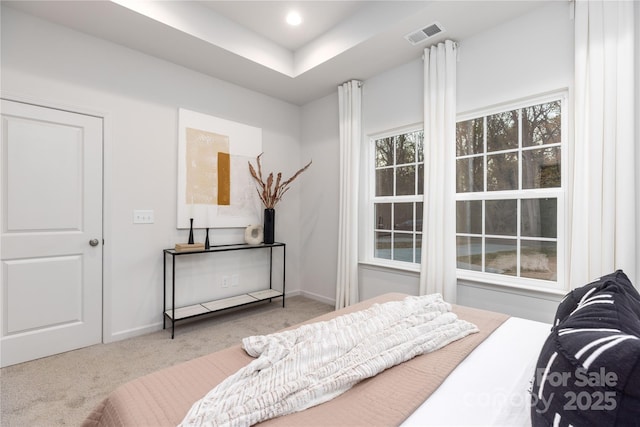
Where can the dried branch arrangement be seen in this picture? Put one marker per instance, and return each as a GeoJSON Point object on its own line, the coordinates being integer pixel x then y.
{"type": "Point", "coordinates": [270, 196]}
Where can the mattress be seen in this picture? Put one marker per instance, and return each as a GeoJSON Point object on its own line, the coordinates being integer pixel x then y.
{"type": "Point", "coordinates": [164, 397]}
{"type": "Point", "coordinates": [491, 386]}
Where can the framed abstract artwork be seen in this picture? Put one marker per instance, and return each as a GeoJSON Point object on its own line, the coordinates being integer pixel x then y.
{"type": "Point", "coordinates": [215, 187]}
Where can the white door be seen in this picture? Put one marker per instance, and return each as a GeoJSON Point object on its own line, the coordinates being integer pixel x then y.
{"type": "Point", "coordinates": [51, 232]}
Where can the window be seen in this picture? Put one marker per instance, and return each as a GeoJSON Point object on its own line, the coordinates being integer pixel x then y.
{"type": "Point", "coordinates": [510, 194]}
{"type": "Point", "coordinates": [398, 190]}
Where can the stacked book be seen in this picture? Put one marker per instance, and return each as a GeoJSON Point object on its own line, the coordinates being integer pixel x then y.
{"type": "Point", "coordinates": [186, 247]}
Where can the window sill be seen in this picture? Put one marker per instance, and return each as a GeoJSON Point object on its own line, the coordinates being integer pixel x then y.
{"type": "Point", "coordinates": [473, 281]}
{"type": "Point", "coordinates": [505, 285]}
{"type": "Point", "coordinates": [408, 269]}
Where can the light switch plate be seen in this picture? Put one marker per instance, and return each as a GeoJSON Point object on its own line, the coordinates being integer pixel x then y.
{"type": "Point", "coordinates": [143, 216]}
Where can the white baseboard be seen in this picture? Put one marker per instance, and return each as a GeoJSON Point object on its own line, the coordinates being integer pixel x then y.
{"type": "Point", "coordinates": [317, 297]}
{"type": "Point", "coordinates": [135, 332]}
{"type": "Point", "coordinates": [142, 330]}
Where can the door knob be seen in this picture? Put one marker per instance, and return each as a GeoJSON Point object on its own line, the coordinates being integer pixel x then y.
{"type": "Point", "coordinates": [94, 242]}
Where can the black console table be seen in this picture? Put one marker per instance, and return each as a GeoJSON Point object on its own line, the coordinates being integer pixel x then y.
{"type": "Point", "coordinates": [175, 314]}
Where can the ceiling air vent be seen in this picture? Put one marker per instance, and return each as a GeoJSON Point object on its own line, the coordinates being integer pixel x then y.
{"type": "Point", "coordinates": [425, 33]}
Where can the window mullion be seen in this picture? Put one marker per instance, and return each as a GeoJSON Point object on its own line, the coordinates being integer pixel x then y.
{"type": "Point", "coordinates": [519, 200]}
{"type": "Point", "coordinates": [484, 188]}
{"type": "Point", "coordinates": [484, 154]}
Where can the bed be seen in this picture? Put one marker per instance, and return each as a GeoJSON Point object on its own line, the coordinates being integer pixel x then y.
{"type": "Point", "coordinates": [484, 378]}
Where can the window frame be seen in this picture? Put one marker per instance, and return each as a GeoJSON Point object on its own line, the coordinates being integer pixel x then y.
{"type": "Point", "coordinates": [559, 193]}
{"type": "Point", "coordinates": [369, 226]}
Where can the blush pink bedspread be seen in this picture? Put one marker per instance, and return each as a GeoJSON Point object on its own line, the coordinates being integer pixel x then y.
{"type": "Point", "coordinates": [164, 397]}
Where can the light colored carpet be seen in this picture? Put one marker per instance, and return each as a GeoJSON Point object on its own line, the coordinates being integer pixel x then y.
{"type": "Point", "coordinates": [61, 390]}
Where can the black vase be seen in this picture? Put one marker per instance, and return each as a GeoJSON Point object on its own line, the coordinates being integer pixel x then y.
{"type": "Point", "coordinates": [269, 225]}
{"type": "Point", "coordinates": [191, 231]}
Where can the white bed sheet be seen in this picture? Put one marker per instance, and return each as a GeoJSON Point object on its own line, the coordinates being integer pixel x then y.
{"type": "Point", "coordinates": [491, 386]}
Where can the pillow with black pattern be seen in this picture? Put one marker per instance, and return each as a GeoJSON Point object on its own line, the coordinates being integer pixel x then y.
{"type": "Point", "coordinates": [571, 300]}
{"type": "Point", "coordinates": [588, 372]}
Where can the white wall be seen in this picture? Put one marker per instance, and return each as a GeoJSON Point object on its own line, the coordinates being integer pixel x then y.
{"type": "Point", "coordinates": [514, 60]}
{"type": "Point", "coordinates": [527, 56]}
{"type": "Point", "coordinates": [319, 232]}
{"type": "Point", "coordinates": [139, 95]}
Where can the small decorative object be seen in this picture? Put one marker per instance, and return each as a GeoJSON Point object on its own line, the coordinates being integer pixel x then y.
{"type": "Point", "coordinates": [253, 234]}
{"type": "Point", "coordinates": [206, 241]}
{"type": "Point", "coordinates": [191, 231]}
{"type": "Point", "coordinates": [271, 194]}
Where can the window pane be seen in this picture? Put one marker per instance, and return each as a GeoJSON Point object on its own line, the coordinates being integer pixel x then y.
{"type": "Point", "coordinates": [405, 149]}
{"type": "Point", "coordinates": [419, 137]}
{"type": "Point", "coordinates": [383, 216]}
{"type": "Point", "coordinates": [539, 218]}
{"type": "Point", "coordinates": [501, 217]}
{"type": "Point", "coordinates": [418, 248]}
{"type": "Point", "coordinates": [403, 216]}
{"type": "Point", "coordinates": [421, 178]}
{"type": "Point", "coordinates": [502, 172]}
{"type": "Point", "coordinates": [403, 247]}
{"type": "Point", "coordinates": [384, 182]}
{"type": "Point", "coordinates": [541, 124]}
{"type": "Point", "coordinates": [469, 175]}
{"type": "Point", "coordinates": [541, 168]}
{"type": "Point", "coordinates": [469, 135]}
{"type": "Point", "coordinates": [501, 256]}
{"type": "Point", "coordinates": [469, 253]}
{"type": "Point", "coordinates": [384, 152]}
{"type": "Point", "coordinates": [383, 245]}
{"type": "Point", "coordinates": [502, 131]}
{"type": "Point", "coordinates": [405, 180]}
{"type": "Point", "coordinates": [538, 260]}
{"type": "Point", "coordinates": [419, 212]}
{"type": "Point", "coordinates": [469, 217]}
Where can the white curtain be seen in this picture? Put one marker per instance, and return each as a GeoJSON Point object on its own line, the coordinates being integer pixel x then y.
{"type": "Point", "coordinates": [603, 192]}
{"type": "Point", "coordinates": [438, 266]}
{"type": "Point", "coordinates": [350, 100]}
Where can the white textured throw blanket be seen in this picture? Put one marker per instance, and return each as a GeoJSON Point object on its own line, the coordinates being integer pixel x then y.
{"type": "Point", "coordinates": [314, 363]}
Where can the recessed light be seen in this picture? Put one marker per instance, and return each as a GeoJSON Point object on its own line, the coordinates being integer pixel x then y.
{"type": "Point", "coordinates": [294, 18]}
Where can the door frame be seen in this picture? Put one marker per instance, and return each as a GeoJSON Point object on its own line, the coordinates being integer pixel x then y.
{"type": "Point", "coordinates": [107, 334]}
